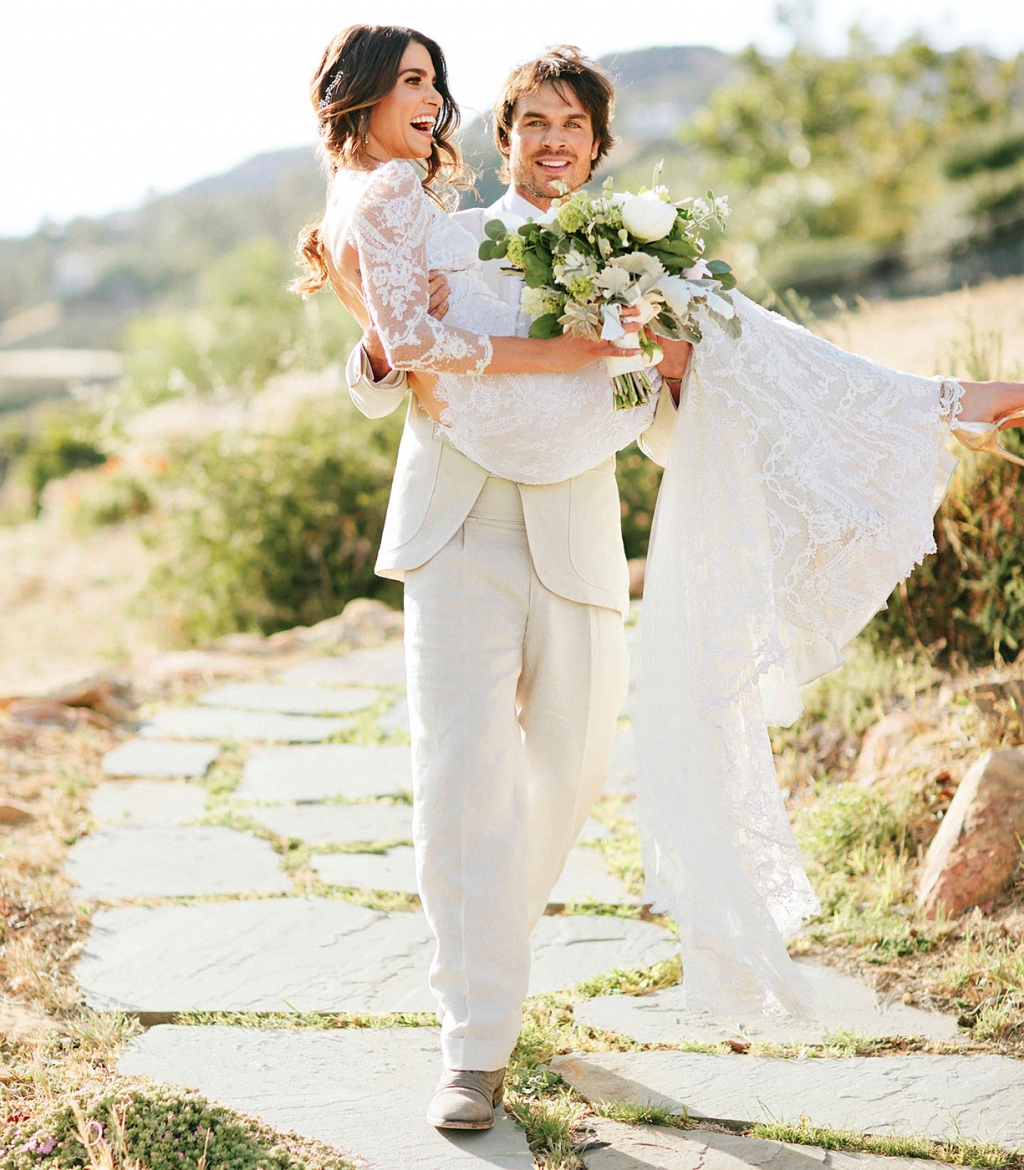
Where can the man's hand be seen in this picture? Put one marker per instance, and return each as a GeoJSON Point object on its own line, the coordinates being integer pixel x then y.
{"type": "Point", "coordinates": [673, 365]}
{"type": "Point", "coordinates": [437, 285]}
{"type": "Point", "coordinates": [375, 355]}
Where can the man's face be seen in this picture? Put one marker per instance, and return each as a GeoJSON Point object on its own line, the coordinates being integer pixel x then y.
{"type": "Point", "coordinates": [551, 140]}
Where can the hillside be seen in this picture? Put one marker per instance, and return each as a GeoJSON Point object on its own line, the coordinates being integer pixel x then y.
{"type": "Point", "coordinates": [876, 173]}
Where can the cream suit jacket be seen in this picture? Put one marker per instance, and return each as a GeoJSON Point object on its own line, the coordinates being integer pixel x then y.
{"type": "Point", "coordinates": [573, 527]}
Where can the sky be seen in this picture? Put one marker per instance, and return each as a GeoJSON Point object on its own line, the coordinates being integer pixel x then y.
{"type": "Point", "coordinates": [105, 104]}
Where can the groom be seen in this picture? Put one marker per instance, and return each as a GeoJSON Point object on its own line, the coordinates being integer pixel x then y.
{"type": "Point", "coordinates": [514, 598]}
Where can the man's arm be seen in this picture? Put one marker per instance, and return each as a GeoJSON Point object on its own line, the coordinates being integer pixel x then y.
{"type": "Point", "coordinates": [673, 368]}
{"type": "Point", "coordinates": [376, 389]}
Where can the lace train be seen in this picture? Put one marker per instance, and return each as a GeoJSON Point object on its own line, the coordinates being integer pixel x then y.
{"type": "Point", "coordinates": [799, 490]}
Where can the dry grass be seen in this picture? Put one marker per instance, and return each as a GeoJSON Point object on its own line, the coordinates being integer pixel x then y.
{"type": "Point", "coordinates": [930, 335]}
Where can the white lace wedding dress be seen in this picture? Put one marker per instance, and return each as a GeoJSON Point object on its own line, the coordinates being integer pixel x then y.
{"type": "Point", "coordinates": [799, 490]}
{"type": "Point", "coordinates": [532, 428]}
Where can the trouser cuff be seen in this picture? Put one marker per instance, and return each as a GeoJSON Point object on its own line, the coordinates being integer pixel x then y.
{"type": "Point", "coordinates": [479, 1055]}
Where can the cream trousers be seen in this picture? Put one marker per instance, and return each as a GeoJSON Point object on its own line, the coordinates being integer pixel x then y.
{"type": "Point", "coordinates": [514, 693]}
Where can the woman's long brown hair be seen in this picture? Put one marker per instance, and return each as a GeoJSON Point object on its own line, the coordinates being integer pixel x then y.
{"type": "Point", "coordinates": [358, 69]}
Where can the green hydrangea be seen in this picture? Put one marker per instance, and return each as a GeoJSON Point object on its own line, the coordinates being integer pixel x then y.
{"type": "Point", "coordinates": [516, 254]}
{"type": "Point", "coordinates": [581, 288]}
{"type": "Point", "coordinates": [571, 217]}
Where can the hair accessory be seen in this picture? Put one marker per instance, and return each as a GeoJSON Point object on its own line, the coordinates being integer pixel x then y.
{"type": "Point", "coordinates": [328, 97]}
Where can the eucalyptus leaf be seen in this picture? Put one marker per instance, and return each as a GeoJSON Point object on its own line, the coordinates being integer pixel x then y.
{"type": "Point", "coordinates": [494, 228]}
{"type": "Point", "coordinates": [546, 326]}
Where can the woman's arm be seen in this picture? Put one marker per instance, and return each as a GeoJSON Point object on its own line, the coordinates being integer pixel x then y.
{"type": "Point", "coordinates": [389, 227]}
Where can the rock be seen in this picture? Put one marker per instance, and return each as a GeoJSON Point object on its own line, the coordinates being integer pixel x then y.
{"type": "Point", "coordinates": [981, 1097]}
{"type": "Point", "coordinates": [843, 1004]}
{"type": "Point", "coordinates": [320, 771]}
{"type": "Point", "coordinates": [362, 622]}
{"type": "Point", "coordinates": [379, 666]}
{"type": "Point", "coordinates": [108, 694]}
{"type": "Point", "coordinates": [14, 812]}
{"type": "Point", "coordinates": [976, 850]}
{"type": "Point", "coordinates": [317, 955]}
{"type": "Point", "coordinates": [154, 757]}
{"type": "Point", "coordinates": [147, 802]}
{"type": "Point", "coordinates": [363, 1090]}
{"type": "Point", "coordinates": [882, 743]}
{"type": "Point", "coordinates": [50, 713]}
{"type": "Point", "coordinates": [615, 1146]}
{"type": "Point", "coordinates": [637, 571]}
{"type": "Point", "coordinates": [291, 700]}
{"type": "Point", "coordinates": [169, 861]}
{"type": "Point", "coordinates": [220, 723]}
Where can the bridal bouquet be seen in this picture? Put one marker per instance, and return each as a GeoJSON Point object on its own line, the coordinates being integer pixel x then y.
{"type": "Point", "coordinates": [591, 256]}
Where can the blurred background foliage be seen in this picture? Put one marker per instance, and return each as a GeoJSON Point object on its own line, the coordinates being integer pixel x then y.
{"type": "Point", "coordinates": [880, 174]}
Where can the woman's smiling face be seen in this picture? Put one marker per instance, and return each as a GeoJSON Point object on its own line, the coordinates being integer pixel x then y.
{"type": "Point", "coordinates": [402, 124]}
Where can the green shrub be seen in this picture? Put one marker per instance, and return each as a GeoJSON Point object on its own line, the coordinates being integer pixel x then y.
{"type": "Point", "coordinates": [61, 444]}
{"type": "Point", "coordinates": [269, 531]}
{"type": "Point", "coordinates": [158, 1128]}
{"type": "Point", "coordinates": [639, 479]}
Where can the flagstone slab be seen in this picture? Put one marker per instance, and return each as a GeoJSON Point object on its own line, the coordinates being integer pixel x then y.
{"type": "Point", "coordinates": [318, 772]}
{"type": "Point", "coordinates": [148, 802]}
{"type": "Point", "coordinates": [226, 723]}
{"type": "Point", "coordinates": [363, 1090]}
{"type": "Point", "coordinates": [379, 666]}
{"type": "Point", "coordinates": [291, 700]}
{"type": "Point", "coordinates": [843, 1003]}
{"type": "Point", "coordinates": [585, 877]}
{"type": "Point", "coordinates": [155, 861]}
{"type": "Point", "coordinates": [394, 871]}
{"type": "Point", "coordinates": [594, 830]}
{"type": "Point", "coordinates": [615, 1146]}
{"type": "Point", "coordinates": [152, 757]}
{"type": "Point", "coordinates": [622, 772]}
{"type": "Point", "coordinates": [317, 955]}
{"type": "Point", "coordinates": [396, 718]}
{"type": "Point", "coordinates": [335, 823]}
{"type": "Point", "coordinates": [928, 1096]}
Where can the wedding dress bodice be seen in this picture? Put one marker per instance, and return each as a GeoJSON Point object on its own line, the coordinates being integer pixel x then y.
{"type": "Point", "coordinates": [532, 428]}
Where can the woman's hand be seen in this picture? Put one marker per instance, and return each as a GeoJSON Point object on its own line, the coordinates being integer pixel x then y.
{"type": "Point", "coordinates": [567, 353]}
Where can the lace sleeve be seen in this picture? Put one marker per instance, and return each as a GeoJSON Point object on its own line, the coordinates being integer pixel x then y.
{"type": "Point", "coordinates": [389, 228]}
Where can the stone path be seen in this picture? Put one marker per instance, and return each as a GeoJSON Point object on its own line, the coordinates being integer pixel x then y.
{"type": "Point", "coordinates": [339, 812]}
{"type": "Point", "coordinates": [844, 1004]}
{"type": "Point", "coordinates": [360, 1089]}
{"type": "Point", "coordinates": [980, 1096]}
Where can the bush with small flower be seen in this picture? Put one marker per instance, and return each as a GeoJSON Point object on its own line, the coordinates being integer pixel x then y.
{"type": "Point", "coordinates": [591, 256]}
{"type": "Point", "coordinates": [158, 1128]}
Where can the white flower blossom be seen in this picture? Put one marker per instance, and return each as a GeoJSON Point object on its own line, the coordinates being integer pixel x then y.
{"type": "Point", "coordinates": [534, 302]}
{"type": "Point", "coordinates": [648, 216]}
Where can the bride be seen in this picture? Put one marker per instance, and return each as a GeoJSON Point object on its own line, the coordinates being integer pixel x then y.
{"type": "Point", "coordinates": [799, 490]}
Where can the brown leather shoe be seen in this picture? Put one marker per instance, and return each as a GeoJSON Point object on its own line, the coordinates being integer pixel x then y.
{"type": "Point", "coordinates": [465, 1099]}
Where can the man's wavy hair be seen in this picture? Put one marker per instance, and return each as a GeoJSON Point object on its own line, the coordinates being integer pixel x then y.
{"type": "Point", "coordinates": [358, 69]}
{"type": "Point", "coordinates": [563, 67]}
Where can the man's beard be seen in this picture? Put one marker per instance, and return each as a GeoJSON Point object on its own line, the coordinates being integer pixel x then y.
{"type": "Point", "coordinates": [531, 179]}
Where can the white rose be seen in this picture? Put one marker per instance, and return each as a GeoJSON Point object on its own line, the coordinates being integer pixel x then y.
{"type": "Point", "coordinates": [647, 216]}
